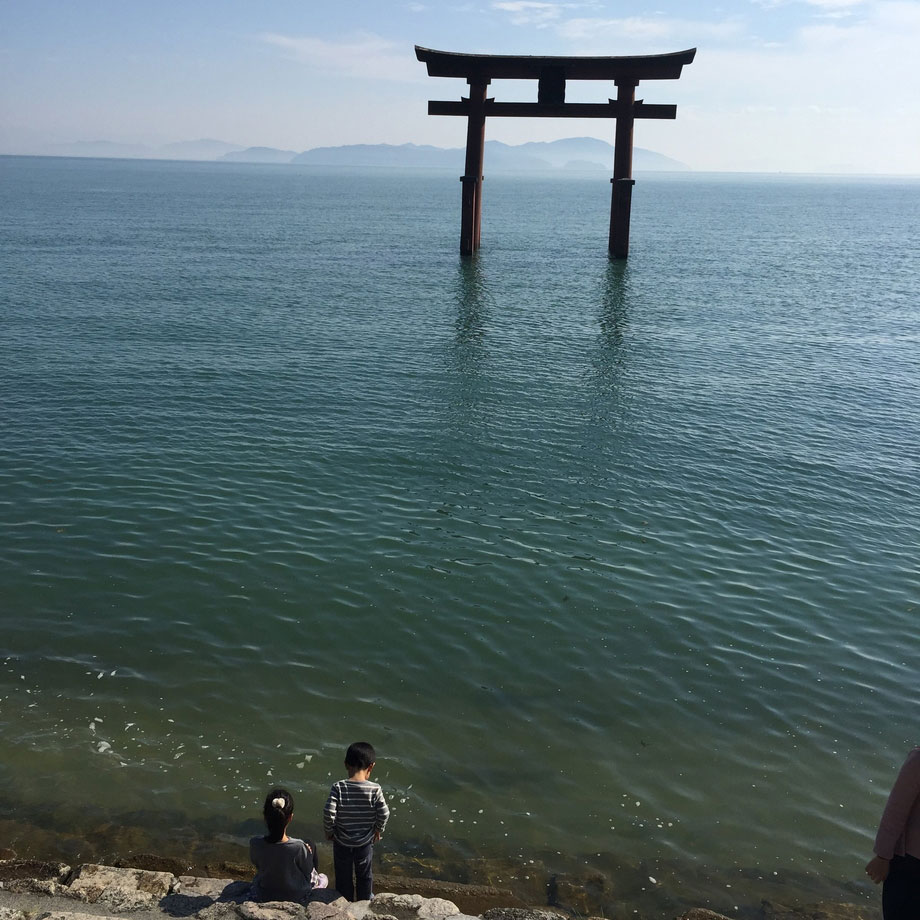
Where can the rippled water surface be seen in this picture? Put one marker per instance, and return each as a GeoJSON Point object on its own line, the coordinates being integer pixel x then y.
{"type": "Point", "coordinates": [616, 565]}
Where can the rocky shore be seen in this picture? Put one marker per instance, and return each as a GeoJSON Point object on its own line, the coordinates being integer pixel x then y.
{"type": "Point", "coordinates": [35, 890]}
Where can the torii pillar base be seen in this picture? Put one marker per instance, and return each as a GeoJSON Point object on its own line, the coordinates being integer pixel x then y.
{"type": "Point", "coordinates": [620, 206]}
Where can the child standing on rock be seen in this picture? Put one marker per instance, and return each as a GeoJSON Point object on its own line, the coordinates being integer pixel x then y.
{"type": "Point", "coordinates": [286, 868]}
{"type": "Point", "coordinates": [354, 818]}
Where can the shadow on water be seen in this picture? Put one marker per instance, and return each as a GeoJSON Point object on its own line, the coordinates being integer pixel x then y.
{"type": "Point", "coordinates": [468, 384]}
{"type": "Point", "coordinates": [472, 302]}
{"type": "Point", "coordinates": [614, 315]}
{"type": "Point", "coordinates": [607, 377]}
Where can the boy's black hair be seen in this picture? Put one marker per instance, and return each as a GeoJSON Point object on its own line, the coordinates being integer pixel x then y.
{"type": "Point", "coordinates": [360, 755]}
{"type": "Point", "coordinates": [277, 818]}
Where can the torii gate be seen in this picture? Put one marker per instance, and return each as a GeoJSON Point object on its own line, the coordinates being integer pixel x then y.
{"type": "Point", "coordinates": [552, 72]}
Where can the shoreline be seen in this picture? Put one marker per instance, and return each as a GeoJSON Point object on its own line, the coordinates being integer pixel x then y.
{"type": "Point", "coordinates": [589, 882]}
{"type": "Point", "coordinates": [36, 889]}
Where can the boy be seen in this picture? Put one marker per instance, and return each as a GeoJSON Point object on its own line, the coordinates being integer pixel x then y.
{"type": "Point", "coordinates": [355, 816]}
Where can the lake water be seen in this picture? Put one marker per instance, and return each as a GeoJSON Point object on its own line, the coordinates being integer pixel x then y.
{"type": "Point", "coordinates": [615, 564]}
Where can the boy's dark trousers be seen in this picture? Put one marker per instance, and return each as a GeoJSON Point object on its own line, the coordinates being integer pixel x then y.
{"type": "Point", "coordinates": [354, 863]}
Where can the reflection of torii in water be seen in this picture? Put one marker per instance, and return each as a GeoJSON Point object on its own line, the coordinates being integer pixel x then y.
{"type": "Point", "coordinates": [552, 72]}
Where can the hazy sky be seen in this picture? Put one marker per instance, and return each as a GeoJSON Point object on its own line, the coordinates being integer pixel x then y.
{"type": "Point", "coordinates": [797, 85]}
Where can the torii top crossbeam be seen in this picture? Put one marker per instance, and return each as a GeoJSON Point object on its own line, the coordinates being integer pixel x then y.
{"type": "Point", "coordinates": [531, 67]}
{"type": "Point", "coordinates": [552, 72]}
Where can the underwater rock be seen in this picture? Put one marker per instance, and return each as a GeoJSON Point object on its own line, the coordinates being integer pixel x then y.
{"type": "Point", "coordinates": [471, 899]}
{"type": "Point", "coordinates": [153, 863]}
{"type": "Point", "coordinates": [824, 910]}
{"type": "Point", "coordinates": [32, 870]}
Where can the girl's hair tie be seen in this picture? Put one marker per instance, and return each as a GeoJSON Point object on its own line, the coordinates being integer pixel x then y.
{"type": "Point", "coordinates": [278, 803]}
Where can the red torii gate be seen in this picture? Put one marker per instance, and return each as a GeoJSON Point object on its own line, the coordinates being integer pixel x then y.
{"type": "Point", "coordinates": [552, 72]}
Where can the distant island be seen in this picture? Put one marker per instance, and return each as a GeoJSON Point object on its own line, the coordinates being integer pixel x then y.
{"type": "Point", "coordinates": [573, 154]}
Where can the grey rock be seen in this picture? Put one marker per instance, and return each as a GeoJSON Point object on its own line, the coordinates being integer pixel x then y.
{"type": "Point", "coordinates": [403, 906]}
{"type": "Point", "coordinates": [61, 915]}
{"type": "Point", "coordinates": [195, 886]}
{"type": "Point", "coordinates": [217, 910]}
{"type": "Point", "coordinates": [701, 913]}
{"type": "Point", "coordinates": [521, 913]}
{"type": "Point", "coordinates": [34, 886]}
{"type": "Point", "coordinates": [185, 905]}
{"type": "Point", "coordinates": [355, 910]}
{"type": "Point", "coordinates": [437, 909]}
{"type": "Point", "coordinates": [271, 910]}
{"type": "Point", "coordinates": [217, 889]}
{"type": "Point", "coordinates": [118, 889]}
{"type": "Point", "coordinates": [193, 894]}
{"type": "Point", "coordinates": [319, 910]}
{"type": "Point", "coordinates": [411, 907]}
{"type": "Point", "coordinates": [7, 913]}
{"type": "Point", "coordinates": [329, 896]}
{"type": "Point", "coordinates": [236, 891]}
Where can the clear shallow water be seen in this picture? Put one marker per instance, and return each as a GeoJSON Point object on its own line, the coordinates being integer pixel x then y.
{"type": "Point", "coordinates": [615, 565]}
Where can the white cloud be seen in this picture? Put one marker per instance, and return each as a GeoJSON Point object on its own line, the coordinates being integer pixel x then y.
{"type": "Point", "coordinates": [822, 4]}
{"type": "Point", "coordinates": [833, 93]}
{"type": "Point", "coordinates": [530, 12]}
{"type": "Point", "coordinates": [365, 56]}
{"type": "Point", "coordinates": [597, 35]}
{"type": "Point", "coordinates": [521, 6]}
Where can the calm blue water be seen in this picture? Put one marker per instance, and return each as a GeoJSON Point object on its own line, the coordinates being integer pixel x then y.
{"type": "Point", "coordinates": [615, 564]}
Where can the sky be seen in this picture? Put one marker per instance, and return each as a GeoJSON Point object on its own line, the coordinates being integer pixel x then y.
{"type": "Point", "coordinates": [776, 86]}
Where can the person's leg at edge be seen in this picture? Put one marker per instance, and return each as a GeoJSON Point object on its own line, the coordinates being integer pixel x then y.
{"type": "Point", "coordinates": [364, 871]}
{"type": "Point", "coordinates": [343, 863]}
{"type": "Point", "coordinates": [901, 890]}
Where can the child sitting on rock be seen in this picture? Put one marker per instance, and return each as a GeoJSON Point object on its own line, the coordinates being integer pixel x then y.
{"type": "Point", "coordinates": [286, 868]}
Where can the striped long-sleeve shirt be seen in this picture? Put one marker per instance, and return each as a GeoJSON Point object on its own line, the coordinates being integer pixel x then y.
{"type": "Point", "coordinates": [354, 811]}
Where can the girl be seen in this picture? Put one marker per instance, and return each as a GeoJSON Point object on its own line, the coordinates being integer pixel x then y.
{"type": "Point", "coordinates": [286, 867]}
{"type": "Point", "coordinates": [897, 845]}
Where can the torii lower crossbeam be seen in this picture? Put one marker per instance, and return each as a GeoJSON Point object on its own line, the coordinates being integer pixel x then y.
{"type": "Point", "coordinates": [552, 72]}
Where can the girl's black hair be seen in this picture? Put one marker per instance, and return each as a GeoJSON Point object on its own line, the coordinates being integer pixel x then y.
{"type": "Point", "coordinates": [277, 815]}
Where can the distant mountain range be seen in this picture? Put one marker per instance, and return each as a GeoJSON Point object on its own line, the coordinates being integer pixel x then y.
{"type": "Point", "coordinates": [574, 153]}
{"type": "Point", "coordinates": [571, 153]}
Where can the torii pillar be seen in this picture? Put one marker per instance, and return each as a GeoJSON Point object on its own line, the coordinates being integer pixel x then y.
{"type": "Point", "coordinates": [552, 72]}
{"type": "Point", "coordinates": [622, 181]}
{"type": "Point", "coordinates": [471, 199]}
